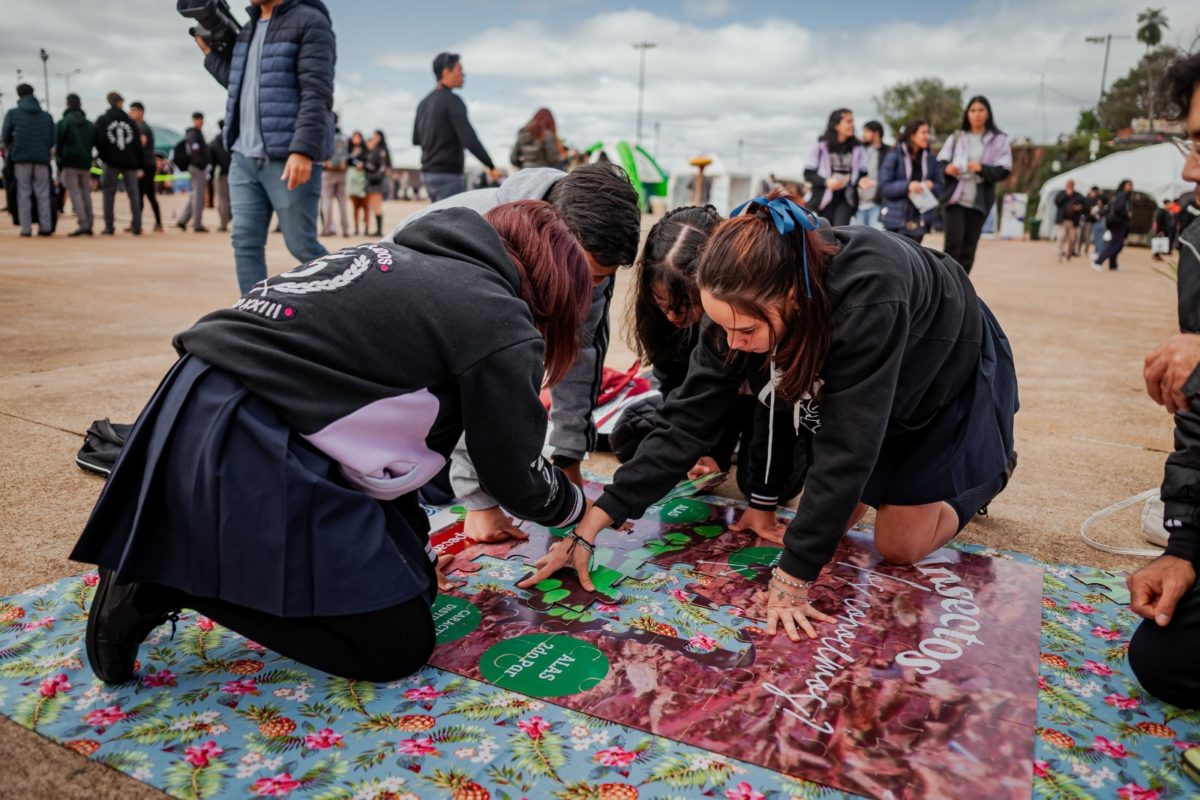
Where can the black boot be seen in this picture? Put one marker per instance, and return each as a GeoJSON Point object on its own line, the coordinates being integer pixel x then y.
{"type": "Point", "coordinates": [379, 224]}
{"type": "Point", "coordinates": [117, 625]}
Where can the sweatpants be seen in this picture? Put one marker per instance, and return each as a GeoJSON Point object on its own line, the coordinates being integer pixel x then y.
{"type": "Point", "coordinates": [1166, 661]}
{"type": "Point", "coordinates": [78, 183]}
{"type": "Point", "coordinates": [963, 227]}
{"type": "Point", "coordinates": [33, 178]}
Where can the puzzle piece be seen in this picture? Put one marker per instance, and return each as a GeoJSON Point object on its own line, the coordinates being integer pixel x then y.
{"type": "Point", "coordinates": [1106, 583]}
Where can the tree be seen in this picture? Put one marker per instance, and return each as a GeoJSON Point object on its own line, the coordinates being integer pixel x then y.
{"type": "Point", "coordinates": [1151, 23]}
{"type": "Point", "coordinates": [1127, 98]}
{"type": "Point", "coordinates": [924, 98]}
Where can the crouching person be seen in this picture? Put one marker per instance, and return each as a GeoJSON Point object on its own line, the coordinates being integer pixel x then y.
{"type": "Point", "coordinates": [270, 483]}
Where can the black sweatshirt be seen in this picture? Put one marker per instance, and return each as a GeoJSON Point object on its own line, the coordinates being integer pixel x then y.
{"type": "Point", "coordinates": [906, 334]}
{"type": "Point", "coordinates": [367, 354]}
{"type": "Point", "coordinates": [441, 130]}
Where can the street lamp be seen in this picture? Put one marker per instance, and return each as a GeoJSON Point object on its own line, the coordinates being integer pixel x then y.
{"type": "Point", "coordinates": [1105, 40]}
{"type": "Point", "coordinates": [45, 74]}
{"type": "Point", "coordinates": [68, 75]}
{"type": "Point", "coordinates": [643, 47]}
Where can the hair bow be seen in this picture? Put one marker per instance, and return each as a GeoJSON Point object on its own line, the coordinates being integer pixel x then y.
{"type": "Point", "coordinates": [787, 215]}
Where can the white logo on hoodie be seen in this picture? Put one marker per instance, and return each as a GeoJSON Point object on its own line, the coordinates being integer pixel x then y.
{"type": "Point", "coordinates": [120, 133]}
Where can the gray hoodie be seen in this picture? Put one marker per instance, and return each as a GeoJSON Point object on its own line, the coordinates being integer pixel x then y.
{"type": "Point", "coordinates": [574, 398]}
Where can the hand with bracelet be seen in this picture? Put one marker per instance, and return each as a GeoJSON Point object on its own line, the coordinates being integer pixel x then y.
{"type": "Point", "coordinates": [574, 551]}
{"type": "Point", "coordinates": [787, 604]}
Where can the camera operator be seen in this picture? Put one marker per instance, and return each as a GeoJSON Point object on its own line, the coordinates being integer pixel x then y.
{"type": "Point", "coordinates": [278, 122]}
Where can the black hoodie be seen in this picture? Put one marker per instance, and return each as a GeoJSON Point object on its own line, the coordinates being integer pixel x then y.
{"type": "Point", "coordinates": [906, 334]}
{"type": "Point", "coordinates": [367, 353]}
{"type": "Point", "coordinates": [117, 140]}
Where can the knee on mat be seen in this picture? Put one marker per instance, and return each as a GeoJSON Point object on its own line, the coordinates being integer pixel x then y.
{"type": "Point", "coordinates": [398, 654]}
{"type": "Point", "coordinates": [1170, 679]}
{"type": "Point", "coordinates": [899, 552]}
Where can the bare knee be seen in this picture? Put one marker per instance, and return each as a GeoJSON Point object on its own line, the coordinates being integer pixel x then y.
{"type": "Point", "coordinates": [898, 550]}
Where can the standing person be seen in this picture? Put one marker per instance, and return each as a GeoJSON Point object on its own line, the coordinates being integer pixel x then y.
{"type": "Point", "coordinates": [333, 183]}
{"type": "Point", "coordinates": [1118, 214]}
{"type": "Point", "coordinates": [1099, 229]}
{"type": "Point", "coordinates": [974, 160]}
{"type": "Point", "coordinates": [197, 166]}
{"type": "Point", "coordinates": [441, 129]}
{"type": "Point", "coordinates": [335, 570]}
{"type": "Point", "coordinates": [356, 179]}
{"type": "Point", "coordinates": [537, 143]}
{"type": "Point", "coordinates": [119, 146]}
{"type": "Point", "coordinates": [278, 127]}
{"type": "Point", "coordinates": [870, 197]}
{"type": "Point", "coordinates": [28, 137]}
{"type": "Point", "coordinates": [910, 171]}
{"type": "Point", "coordinates": [73, 147]}
{"type": "Point", "coordinates": [1070, 205]}
{"type": "Point", "coordinates": [881, 340]}
{"type": "Point", "coordinates": [1087, 220]}
{"type": "Point", "coordinates": [833, 169]}
{"type": "Point", "coordinates": [1162, 652]}
{"type": "Point", "coordinates": [220, 175]}
{"type": "Point", "coordinates": [1164, 225]}
{"type": "Point", "coordinates": [146, 182]}
{"type": "Point", "coordinates": [376, 164]}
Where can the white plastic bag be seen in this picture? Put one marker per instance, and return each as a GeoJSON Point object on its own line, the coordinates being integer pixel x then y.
{"type": "Point", "coordinates": [1160, 245]}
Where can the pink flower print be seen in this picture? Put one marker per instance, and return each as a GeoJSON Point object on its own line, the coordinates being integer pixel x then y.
{"type": "Point", "coordinates": [1041, 769]}
{"type": "Point", "coordinates": [52, 686]}
{"type": "Point", "coordinates": [164, 677]}
{"type": "Point", "coordinates": [423, 694]}
{"type": "Point", "coordinates": [204, 623]}
{"type": "Point", "coordinates": [323, 739]}
{"type": "Point", "coordinates": [1110, 748]}
{"type": "Point", "coordinates": [534, 727]}
{"type": "Point", "coordinates": [254, 647]}
{"type": "Point", "coordinates": [104, 717]}
{"type": "Point", "coordinates": [1122, 702]}
{"type": "Point", "coordinates": [703, 642]}
{"type": "Point", "coordinates": [276, 785]}
{"type": "Point", "coordinates": [606, 608]}
{"type": "Point", "coordinates": [240, 687]}
{"type": "Point", "coordinates": [1096, 668]}
{"type": "Point", "coordinates": [47, 622]}
{"type": "Point", "coordinates": [615, 757]}
{"type": "Point", "coordinates": [744, 791]}
{"type": "Point", "coordinates": [421, 746]}
{"type": "Point", "coordinates": [680, 595]}
{"type": "Point", "coordinates": [1131, 791]}
{"type": "Point", "coordinates": [1107, 634]}
{"type": "Point", "coordinates": [1082, 608]}
{"type": "Point", "coordinates": [199, 756]}
{"type": "Point", "coordinates": [1185, 745]}
{"type": "Point", "coordinates": [91, 579]}
{"type": "Point", "coordinates": [1042, 682]}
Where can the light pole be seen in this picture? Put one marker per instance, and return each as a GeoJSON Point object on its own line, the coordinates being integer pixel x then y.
{"type": "Point", "coordinates": [45, 74]}
{"type": "Point", "coordinates": [643, 47]}
{"type": "Point", "coordinates": [657, 130]}
{"type": "Point", "coordinates": [68, 75]}
{"type": "Point", "coordinates": [1106, 40]}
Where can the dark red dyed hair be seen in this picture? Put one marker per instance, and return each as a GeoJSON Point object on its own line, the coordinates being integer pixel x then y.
{"type": "Point", "coordinates": [542, 121]}
{"type": "Point", "coordinates": [556, 282]}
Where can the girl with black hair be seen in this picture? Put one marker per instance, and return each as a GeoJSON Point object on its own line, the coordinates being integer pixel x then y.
{"type": "Point", "coordinates": [666, 316]}
{"type": "Point", "coordinates": [974, 160]}
{"type": "Point", "coordinates": [909, 170]}
{"type": "Point", "coordinates": [1118, 214]}
{"type": "Point", "coordinates": [834, 167]}
{"type": "Point", "coordinates": [881, 345]}
{"type": "Point", "coordinates": [356, 180]}
{"type": "Point", "coordinates": [377, 163]}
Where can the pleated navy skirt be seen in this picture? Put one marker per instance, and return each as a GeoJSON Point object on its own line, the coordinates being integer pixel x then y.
{"type": "Point", "coordinates": [215, 496]}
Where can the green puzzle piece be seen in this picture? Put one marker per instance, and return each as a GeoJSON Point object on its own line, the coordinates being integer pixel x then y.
{"type": "Point", "coordinates": [544, 665]}
{"type": "Point", "coordinates": [1112, 586]}
{"type": "Point", "coordinates": [742, 560]}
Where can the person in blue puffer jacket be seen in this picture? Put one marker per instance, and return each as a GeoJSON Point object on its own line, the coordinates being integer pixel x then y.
{"type": "Point", "coordinates": [279, 122]}
{"type": "Point", "coordinates": [909, 169]}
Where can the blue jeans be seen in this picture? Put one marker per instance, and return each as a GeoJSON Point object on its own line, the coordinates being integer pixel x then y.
{"type": "Point", "coordinates": [255, 190]}
{"type": "Point", "coordinates": [1098, 236]}
{"type": "Point", "coordinates": [440, 185]}
{"type": "Point", "coordinates": [869, 217]}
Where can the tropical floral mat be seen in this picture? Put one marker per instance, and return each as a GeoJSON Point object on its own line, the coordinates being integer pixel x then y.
{"type": "Point", "coordinates": [215, 715]}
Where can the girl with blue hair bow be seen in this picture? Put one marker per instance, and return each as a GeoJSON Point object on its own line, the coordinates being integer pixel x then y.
{"type": "Point", "coordinates": [881, 348]}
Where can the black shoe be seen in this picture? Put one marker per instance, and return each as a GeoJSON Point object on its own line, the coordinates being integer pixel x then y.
{"type": "Point", "coordinates": [201, 229]}
{"type": "Point", "coordinates": [116, 628]}
{"type": "Point", "coordinates": [80, 232]}
{"type": "Point", "coordinates": [106, 233]}
{"type": "Point", "coordinates": [23, 233]}
{"type": "Point", "coordinates": [45, 233]}
{"type": "Point", "coordinates": [158, 227]}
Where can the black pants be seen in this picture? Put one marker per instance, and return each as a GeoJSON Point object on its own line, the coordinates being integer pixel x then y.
{"type": "Point", "coordinates": [963, 226]}
{"type": "Point", "coordinates": [378, 646]}
{"type": "Point", "coordinates": [839, 212]}
{"type": "Point", "coordinates": [1113, 247]}
{"type": "Point", "coordinates": [146, 185]}
{"type": "Point", "coordinates": [1166, 660]}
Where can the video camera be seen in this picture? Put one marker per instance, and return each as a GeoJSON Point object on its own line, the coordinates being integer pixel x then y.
{"type": "Point", "coordinates": [217, 26]}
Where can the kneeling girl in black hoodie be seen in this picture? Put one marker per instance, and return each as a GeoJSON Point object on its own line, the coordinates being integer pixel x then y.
{"type": "Point", "coordinates": [879, 344]}
{"type": "Point", "coordinates": [270, 483]}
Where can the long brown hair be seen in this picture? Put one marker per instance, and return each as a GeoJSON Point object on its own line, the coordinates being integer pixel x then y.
{"type": "Point", "coordinates": [748, 264]}
{"type": "Point", "coordinates": [556, 282]}
{"type": "Point", "coordinates": [542, 121]}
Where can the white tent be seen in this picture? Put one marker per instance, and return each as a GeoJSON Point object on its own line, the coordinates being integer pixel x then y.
{"type": "Point", "coordinates": [725, 187]}
{"type": "Point", "coordinates": [1154, 171]}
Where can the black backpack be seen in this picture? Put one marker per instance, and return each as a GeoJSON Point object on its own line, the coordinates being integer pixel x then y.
{"type": "Point", "coordinates": [180, 155]}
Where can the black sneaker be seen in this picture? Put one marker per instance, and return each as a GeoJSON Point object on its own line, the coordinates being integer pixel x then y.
{"type": "Point", "coordinates": [116, 628]}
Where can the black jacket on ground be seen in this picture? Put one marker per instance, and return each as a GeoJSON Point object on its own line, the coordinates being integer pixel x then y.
{"type": "Point", "coordinates": [367, 354]}
{"type": "Point", "coordinates": [1181, 482]}
{"type": "Point", "coordinates": [117, 141]}
{"type": "Point", "coordinates": [1070, 207]}
{"type": "Point", "coordinates": [197, 149]}
{"type": "Point", "coordinates": [74, 135]}
{"type": "Point", "coordinates": [441, 129]}
{"type": "Point", "coordinates": [906, 334]}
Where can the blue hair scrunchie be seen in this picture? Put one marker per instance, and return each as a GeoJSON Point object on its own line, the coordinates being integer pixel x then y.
{"type": "Point", "coordinates": [786, 215]}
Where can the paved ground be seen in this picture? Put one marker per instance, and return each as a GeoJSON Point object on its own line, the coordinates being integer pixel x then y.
{"type": "Point", "coordinates": [85, 329]}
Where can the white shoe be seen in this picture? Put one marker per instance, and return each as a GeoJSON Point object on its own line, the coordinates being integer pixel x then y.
{"type": "Point", "coordinates": [1097, 266]}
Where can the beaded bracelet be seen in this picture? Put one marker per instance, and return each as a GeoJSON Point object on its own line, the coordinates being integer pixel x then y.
{"type": "Point", "coordinates": [776, 575]}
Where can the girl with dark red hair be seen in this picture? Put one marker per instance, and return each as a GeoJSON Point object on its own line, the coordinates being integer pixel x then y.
{"type": "Point", "coordinates": [537, 143]}
{"type": "Point", "coordinates": [270, 483]}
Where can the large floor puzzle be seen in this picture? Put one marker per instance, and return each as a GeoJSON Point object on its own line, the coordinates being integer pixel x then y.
{"type": "Point", "coordinates": [932, 684]}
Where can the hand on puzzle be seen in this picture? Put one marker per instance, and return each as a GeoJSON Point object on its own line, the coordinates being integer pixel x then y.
{"type": "Point", "coordinates": [1169, 367]}
{"type": "Point", "coordinates": [1155, 589]}
{"type": "Point", "coordinates": [784, 608]}
{"type": "Point", "coordinates": [489, 525]}
{"type": "Point", "coordinates": [764, 523]}
{"type": "Point", "coordinates": [562, 555]}
{"type": "Point", "coordinates": [443, 564]}
{"type": "Point", "coordinates": [705, 466]}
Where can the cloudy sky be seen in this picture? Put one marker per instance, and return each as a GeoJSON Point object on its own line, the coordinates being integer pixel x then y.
{"type": "Point", "coordinates": [764, 73]}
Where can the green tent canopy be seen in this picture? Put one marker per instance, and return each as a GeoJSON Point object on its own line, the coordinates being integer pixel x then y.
{"type": "Point", "coordinates": [647, 177]}
{"type": "Point", "coordinates": [164, 140]}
